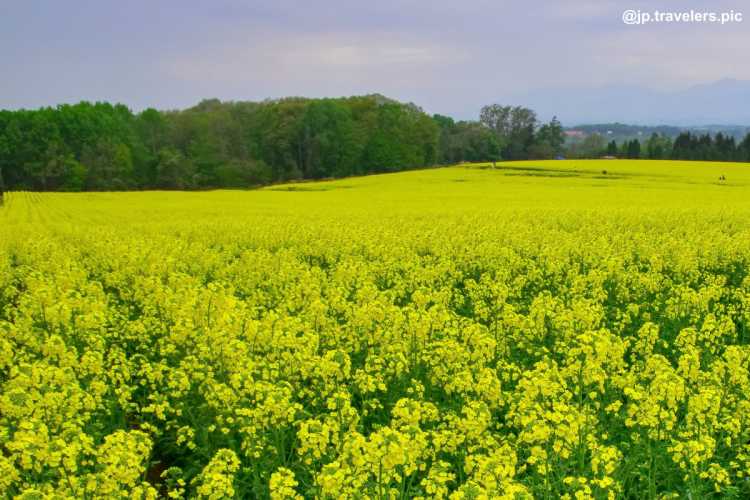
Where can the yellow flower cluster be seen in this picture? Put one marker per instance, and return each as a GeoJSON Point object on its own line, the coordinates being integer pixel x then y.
{"type": "Point", "coordinates": [291, 345]}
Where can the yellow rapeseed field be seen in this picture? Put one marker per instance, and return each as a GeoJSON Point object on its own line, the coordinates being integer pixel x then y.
{"type": "Point", "coordinates": [559, 329]}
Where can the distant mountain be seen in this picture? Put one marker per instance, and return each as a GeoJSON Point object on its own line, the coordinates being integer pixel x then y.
{"type": "Point", "coordinates": [620, 131]}
{"type": "Point", "coordinates": [724, 102]}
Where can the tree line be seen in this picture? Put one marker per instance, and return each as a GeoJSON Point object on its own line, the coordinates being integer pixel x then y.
{"type": "Point", "coordinates": [686, 146]}
{"type": "Point", "coordinates": [214, 144]}
{"type": "Point", "coordinates": [101, 146]}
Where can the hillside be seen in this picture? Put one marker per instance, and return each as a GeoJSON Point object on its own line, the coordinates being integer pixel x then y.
{"type": "Point", "coordinates": [575, 184]}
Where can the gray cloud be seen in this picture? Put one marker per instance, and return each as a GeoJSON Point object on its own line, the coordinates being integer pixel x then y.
{"type": "Point", "coordinates": [448, 56]}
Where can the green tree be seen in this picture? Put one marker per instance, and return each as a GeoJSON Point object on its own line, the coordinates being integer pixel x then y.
{"type": "Point", "coordinates": [634, 149]}
{"type": "Point", "coordinates": [743, 149]}
{"type": "Point", "coordinates": [174, 171]}
{"type": "Point", "coordinates": [109, 166]}
{"type": "Point", "coordinates": [658, 147]}
{"type": "Point", "coordinates": [404, 137]}
{"type": "Point", "coordinates": [326, 143]}
{"type": "Point", "coordinates": [549, 140]}
{"type": "Point", "coordinates": [74, 175]}
{"type": "Point", "coordinates": [468, 141]}
{"type": "Point", "coordinates": [152, 130]}
{"type": "Point", "coordinates": [593, 146]}
{"type": "Point", "coordinates": [514, 127]}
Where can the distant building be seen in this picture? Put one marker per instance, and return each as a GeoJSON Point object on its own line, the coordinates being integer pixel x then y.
{"type": "Point", "coordinates": [577, 134]}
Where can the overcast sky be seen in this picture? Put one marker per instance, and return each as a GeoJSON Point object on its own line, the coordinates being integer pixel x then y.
{"type": "Point", "coordinates": [447, 56]}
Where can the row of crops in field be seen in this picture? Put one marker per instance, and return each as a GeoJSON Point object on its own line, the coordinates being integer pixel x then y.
{"type": "Point", "coordinates": [444, 334]}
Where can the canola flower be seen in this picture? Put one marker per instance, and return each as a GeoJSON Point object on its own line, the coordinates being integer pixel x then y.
{"type": "Point", "coordinates": [533, 331]}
